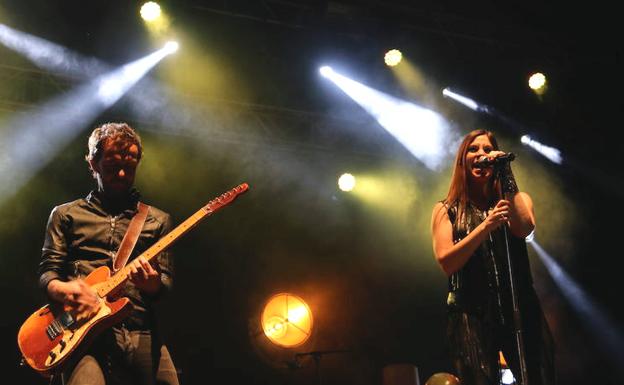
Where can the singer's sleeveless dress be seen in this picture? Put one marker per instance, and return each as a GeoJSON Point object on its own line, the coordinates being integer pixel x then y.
{"type": "Point", "coordinates": [480, 310]}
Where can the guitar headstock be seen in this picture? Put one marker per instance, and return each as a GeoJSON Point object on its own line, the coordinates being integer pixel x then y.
{"type": "Point", "coordinates": [225, 198]}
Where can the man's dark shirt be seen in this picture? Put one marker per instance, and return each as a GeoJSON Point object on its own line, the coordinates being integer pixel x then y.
{"type": "Point", "coordinates": [85, 234]}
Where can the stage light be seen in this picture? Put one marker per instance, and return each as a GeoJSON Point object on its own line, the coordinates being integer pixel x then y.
{"type": "Point", "coordinates": [393, 57]}
{"type": "Point", "coordinates": [38, 134]}
{"type": "Point", "coordinates": [171, 47]}
{"type": "Point", "coordinates": [537, 81]}
{"type": "Point", "coordinates": [287, 320]}
{"type": "Point", "coordinates": [423, 132]}
{"type": "Point", "coordinates": [461, 99]}
{"type": "Point", "coordinates": [50, 56]}
{"type": "Point", "coordinates": [150, 11]}
{"type": "Point", "coordinates": [115, 84]}
{"type": "Point", "coordinates": [326, 71]}
{"type": "Point", "coordinates": [597, 321]}
{"type": "Point", "coordinates": [346, 182]}
{"type": "Point", "coordinates": [550, 153]}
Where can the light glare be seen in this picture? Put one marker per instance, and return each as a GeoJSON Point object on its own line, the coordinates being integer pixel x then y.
{"type": "Point", "coordinates": [171, 47]}
{"type": "Point", "coordinates": [286, 320]}
{"type": "Point", "coordinates": [461, 99]}
{"type": "Point", "coordinates": [113, 85]}
{"type": "Point", "coordinates": [297, 314]}
{"type": "Point", "coordinates": [423, 132]}
{"type": "Point", "coordinates": [346, 182]}
{"type": "Point", "coordinates": [393, 57]}
{"type": "Point", "coordinates": [150, 11]}
{"type": "Point", "coordinates": [50, 56]}
{"type": "Point", "coordinates": [604, 329]}
{"type": "Point", "coordinates": [37, 135]}
{"type": "Point", "coordinates": [537, 81]}
{"type": "Point", "coordinates": [550, 153]}
{"type": "Point", "coordinates": [326, 71]}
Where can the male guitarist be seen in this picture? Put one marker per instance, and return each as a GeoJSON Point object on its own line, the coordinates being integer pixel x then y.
{"type": "Point", "coordinates": [85, 234]}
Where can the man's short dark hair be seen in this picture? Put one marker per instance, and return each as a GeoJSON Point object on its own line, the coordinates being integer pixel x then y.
{"type": "Point", "coordinates": [120, 133]}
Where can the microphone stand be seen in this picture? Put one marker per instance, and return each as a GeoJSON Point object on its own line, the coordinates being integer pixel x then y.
{"type": "Point", "coordinates": [512, 285]}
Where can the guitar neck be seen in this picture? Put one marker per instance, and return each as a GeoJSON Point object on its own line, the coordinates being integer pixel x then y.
{"type": "Point", "coordinates": [114, 282]}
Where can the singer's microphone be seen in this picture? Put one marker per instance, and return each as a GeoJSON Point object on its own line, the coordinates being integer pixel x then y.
{"type": "Point", "coordinates": [484, 161]}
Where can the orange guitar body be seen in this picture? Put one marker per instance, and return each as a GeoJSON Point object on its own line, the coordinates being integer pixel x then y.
{"type": "Point", "coordinates": [46, 344]}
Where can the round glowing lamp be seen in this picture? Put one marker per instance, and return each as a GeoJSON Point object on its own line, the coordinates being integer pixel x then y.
{"type": "Point", "coordinates": [393, 57]}
{"type": "Point", "coordinates": [346, 182]}
{"type": "Point", "coordinates": [150, 11]}
{"type": "Point", "coordinates": [171, 47]}
{"type": "Point", "coordinates": [537, 82]}
{"type": "Point", "coordinates": [286, 320]}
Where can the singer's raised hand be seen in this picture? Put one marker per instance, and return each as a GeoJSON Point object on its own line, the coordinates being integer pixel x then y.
{"type": "Point", "coordinates": [498, 215]}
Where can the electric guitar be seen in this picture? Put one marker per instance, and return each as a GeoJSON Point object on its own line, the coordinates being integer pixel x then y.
{"type": "Point", "coordinates": [51, 335]}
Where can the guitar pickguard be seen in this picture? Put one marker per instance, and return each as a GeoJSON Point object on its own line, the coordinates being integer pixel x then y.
{"type": "Point", "coordinates": [71, 337]}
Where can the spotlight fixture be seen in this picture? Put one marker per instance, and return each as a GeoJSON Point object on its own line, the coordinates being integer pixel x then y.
{"type": "Point", "coordinates": [551, 153]}
{"type": "Point", "coordinates": [346, 182]}
{"type": "Point", "coordinates": [423, 132]}
{"type": "Point", "coordinates": [286, 320]}
{"type": "Point", "coordinates": [150, 11]}
{"type": "Point", "coordinates": [447, 92]}
{"type": "Point", "coordinates": [326, 71]}
{"type": "Point", "coordinates": [393, 57]}
{"type": "Point", "coordinates": [537, 82]}
{"type": "Point", "coordinates": [171, 47]}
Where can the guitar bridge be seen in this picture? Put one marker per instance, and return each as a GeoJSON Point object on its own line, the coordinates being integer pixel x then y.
{"type": "Point", "coordinates": [56, 327]}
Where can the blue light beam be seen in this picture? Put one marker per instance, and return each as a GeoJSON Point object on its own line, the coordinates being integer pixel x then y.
{"type": "Point", "coordinates": [149, 101]}
{"type": "Point", "coordinates": [550, 153]}
{"type": "Point", "coordinates": [50, 56]}
{"type": "Point", "coordinates": [30, 140]}
{"type": "Point", "coordinates": [423, 132]}
{"type": "Point", "coordinates": [600, 325]}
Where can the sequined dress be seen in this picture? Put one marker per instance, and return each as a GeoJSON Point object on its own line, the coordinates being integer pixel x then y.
{"type": "Point", "coordinates": [480, 310]}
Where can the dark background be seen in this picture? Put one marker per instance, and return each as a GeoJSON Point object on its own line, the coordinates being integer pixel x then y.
{"type": "Point", "coordinates": [258, 112]}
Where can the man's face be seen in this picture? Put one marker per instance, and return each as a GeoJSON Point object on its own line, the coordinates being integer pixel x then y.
{"type": "Point", "coordinates": [116, 168]}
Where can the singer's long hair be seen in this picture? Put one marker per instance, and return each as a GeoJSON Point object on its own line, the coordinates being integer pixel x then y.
{"type": "Point", "coordinates": [458, 190]}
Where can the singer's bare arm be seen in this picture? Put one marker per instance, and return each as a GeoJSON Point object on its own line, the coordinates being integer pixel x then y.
{"type": "Point", "coordinates": [453, 256]}
{"type": "Point", "coordinates": [521, 217]}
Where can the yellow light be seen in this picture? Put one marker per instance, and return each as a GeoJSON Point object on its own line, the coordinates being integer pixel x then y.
{"type": "Point", "coordinates": [393, 57]}
{"type": "Point", "coordinates": [537, 81]}
{"type": "Point", "coordinates": [287, 320]}
{"type": "Point", "coordinates": [275, 327]}
{"type": "Point", "coordinates": [297, 314]}
{"type": "Point", "coordinates": [150, 11]}
{"type": "Point", "coordinates": [346, 182]}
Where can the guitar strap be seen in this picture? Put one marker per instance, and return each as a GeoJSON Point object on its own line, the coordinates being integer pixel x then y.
{"type": "Point", "coordinates": [131, 237]}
